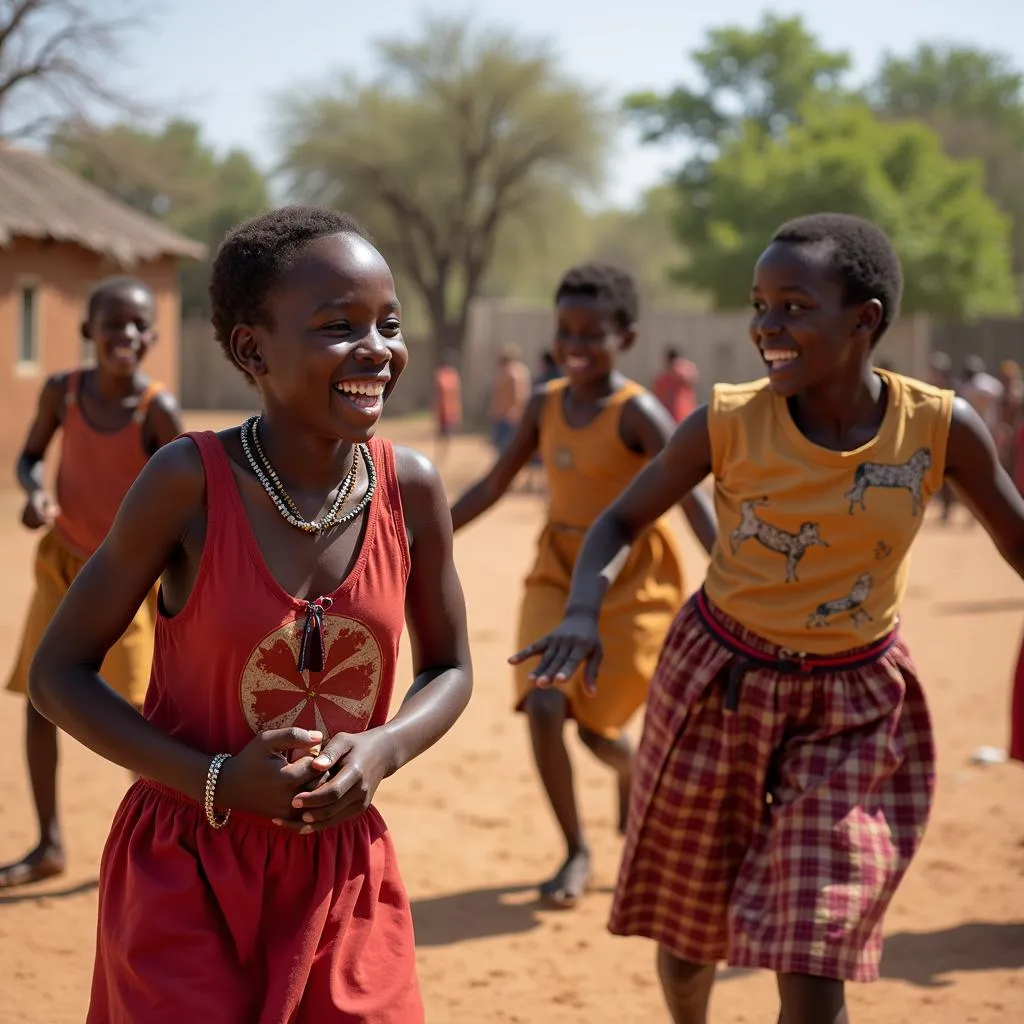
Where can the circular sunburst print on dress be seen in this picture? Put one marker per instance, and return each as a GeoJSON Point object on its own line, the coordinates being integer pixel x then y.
{"type": "Point", "coordinates": [275, 695]}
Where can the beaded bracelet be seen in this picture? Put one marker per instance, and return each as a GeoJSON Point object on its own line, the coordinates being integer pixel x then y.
{"type": "Point", "coordinates": [211, 791]}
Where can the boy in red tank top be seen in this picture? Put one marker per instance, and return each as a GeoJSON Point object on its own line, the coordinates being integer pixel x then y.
{"type": "Point", "coordinates": [290, 552]}
{"type": "Point", "coordinates": [112, 419]}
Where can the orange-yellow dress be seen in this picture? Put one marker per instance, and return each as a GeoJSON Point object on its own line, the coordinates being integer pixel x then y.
{"type": "Point", "coordinates": [587, 469]}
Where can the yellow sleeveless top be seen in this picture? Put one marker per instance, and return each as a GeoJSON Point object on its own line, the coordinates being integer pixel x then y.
{"type": "Point", "coordinates": [813, 546]}
{"type": "Point", "coordinates": [587, 467]}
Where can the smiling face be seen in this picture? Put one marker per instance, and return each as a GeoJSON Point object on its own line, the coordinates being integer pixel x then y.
{"type": "Point", "coordinates": [331, 348]}
{"type": "Point", "coordinates": [808, 335]}
{"type": "Point", "coordinates": [121, 328]}
{"type": "Point", "coordinates": [587, 336]}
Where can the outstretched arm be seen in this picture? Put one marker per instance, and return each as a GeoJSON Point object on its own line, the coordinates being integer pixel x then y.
{"type": "Point", "coordinates": [646, 422]}
{"type": "Point", "coordinates": [972, 464]}
{"type": "Point", "coordinates": [680, 467]}
{"type": "Point", "coordinates": [485, 492]}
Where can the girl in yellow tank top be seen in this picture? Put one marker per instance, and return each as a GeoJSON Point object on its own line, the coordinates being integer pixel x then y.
{"type": "Point", "coordinates": [786, 770]}
{"type": "Point", "coordinates": [595, 431]}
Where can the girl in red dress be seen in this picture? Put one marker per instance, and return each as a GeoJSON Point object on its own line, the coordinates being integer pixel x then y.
{"type": "Point", "coordinates": [247, 877]}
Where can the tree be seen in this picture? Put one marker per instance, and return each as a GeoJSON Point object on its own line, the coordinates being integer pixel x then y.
{"type": "Point", "coordinates": [172, 175]}
{"type": "Point", "coordinates": [763, 76]}
{"type": "Point", "coordinates": [975, 101]}
{"type": "Point", "coordinates": [54, 61]}
{"type": "Point", "coordinates": [952, 239]}
{"type": "Point", "coordinates": [464, 132]}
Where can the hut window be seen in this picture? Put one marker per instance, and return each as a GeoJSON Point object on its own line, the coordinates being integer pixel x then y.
{"type": "Point", "coordinates": [28, 334]}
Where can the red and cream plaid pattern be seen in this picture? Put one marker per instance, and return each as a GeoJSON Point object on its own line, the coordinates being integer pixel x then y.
{"type": "Point", "coordinates": [773, 836]}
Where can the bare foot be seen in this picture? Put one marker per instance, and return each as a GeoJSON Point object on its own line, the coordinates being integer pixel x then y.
{"type": "Point", "coordinates": [625, 785]}
{"type": "Point", "coordinates": [563, 891]}
{"type": "Point", "coordinates": [43, 862]}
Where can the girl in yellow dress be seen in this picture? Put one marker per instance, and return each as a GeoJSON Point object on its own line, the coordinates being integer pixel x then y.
{"type": "Point", "coordinates": [595, 430]}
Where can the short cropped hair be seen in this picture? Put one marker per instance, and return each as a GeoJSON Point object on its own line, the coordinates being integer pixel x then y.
{"type": "Point", "coordinates": [254, 256]}
{"type": "Point", "coordinates": [859, 253]}
{"type": "Point", "coordinates": [113, 286]}
{"type": "Point", "coordinates": [607, 283]}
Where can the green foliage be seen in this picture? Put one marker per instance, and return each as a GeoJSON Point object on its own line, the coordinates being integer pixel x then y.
{"type": "Point", "coordinates": [764, 76]}
{"type": "Point", "coordinates": [465, 135]}
{"type": "Point", "coordinates": [776, 134]}
{"type": "Point", "coordinates": [951, 237]}
{"type": "Point", "coordinates": [172, 175]}
{"type": "Point", "coordinates": [975, 101]}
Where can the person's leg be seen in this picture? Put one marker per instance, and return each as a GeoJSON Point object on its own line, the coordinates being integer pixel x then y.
{"type": "Point", "coordinates": [547, 711]}
{"type": "Point", "coordinates": [809, 1000]}
{"type": "Point", "coordinates": [47, 858]}
{"type": "Point", "coordinates": [686, 987]}
{"type": "Point", "coordinates": [618, 755]}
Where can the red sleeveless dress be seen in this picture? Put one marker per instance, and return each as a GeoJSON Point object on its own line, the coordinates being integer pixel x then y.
{"type": "Point", "coordinates": [255, 924]}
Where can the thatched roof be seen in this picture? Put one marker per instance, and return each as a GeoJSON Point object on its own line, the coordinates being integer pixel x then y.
{"type": "Point", "coordinates": [41, 199]}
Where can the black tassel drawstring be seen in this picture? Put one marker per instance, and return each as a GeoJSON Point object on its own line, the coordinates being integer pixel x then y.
{"type": "Point", "coordinates": [312, 649]}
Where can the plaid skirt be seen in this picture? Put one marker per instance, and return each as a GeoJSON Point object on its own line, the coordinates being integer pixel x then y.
{"type": "Point", "coordinates": [773, 813]}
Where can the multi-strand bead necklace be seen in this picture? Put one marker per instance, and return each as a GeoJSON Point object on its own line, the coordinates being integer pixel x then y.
{"type": "Point", "coordinates": [271, 482]}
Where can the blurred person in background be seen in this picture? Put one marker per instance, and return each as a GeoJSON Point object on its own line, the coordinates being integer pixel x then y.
{"type": "Point", "coordinates": [676, 386]}
{"type": "Point", "coordinates": [940, 374]}
{"type": "Point", "coordinates": [1011, 410]}
{"type": "Point", "coordinates": [447, 402]}
{"type": "Point", "coordinates": [509, 395]}
{"type": "Point", "coordinates": [983, 392]}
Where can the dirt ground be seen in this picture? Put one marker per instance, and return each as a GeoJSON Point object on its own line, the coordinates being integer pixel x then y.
{"type": "Point", "coordinates": [475, 837]}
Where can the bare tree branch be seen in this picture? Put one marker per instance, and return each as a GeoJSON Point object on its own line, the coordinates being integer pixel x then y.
{"type": "Point", "coordinates": [53, 60]}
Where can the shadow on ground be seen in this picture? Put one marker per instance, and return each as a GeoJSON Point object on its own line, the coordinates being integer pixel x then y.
{"type": "Point", "coordinates": [924, 958]}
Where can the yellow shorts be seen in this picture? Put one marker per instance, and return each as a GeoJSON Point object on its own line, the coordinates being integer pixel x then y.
{"type": "Point", "coordinates": [128, 663]}
{"type": "Point", "coordinates": [638, 611]}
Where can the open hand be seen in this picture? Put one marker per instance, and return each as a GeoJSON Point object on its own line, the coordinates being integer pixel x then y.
{"type": "Point", "coordinates": [261, 779]}
{"type": "Point", "coordinates": [574, 642]}
{"type": "Point", "coordinates": [354, 764]}
{"type": "Point", "coordinates": [40, 510]}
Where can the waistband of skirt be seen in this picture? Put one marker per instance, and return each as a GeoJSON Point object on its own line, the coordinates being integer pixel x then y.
{"type": "Point", "coordinates": [183, 799]}
{"type": "Point", "coordinates": [757, 651]}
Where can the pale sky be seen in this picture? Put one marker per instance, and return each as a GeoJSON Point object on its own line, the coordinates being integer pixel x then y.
{"type": "Point", "coordinates": [220, 61]}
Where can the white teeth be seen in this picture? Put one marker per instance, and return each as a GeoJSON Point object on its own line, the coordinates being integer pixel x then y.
{"type": "Point", "coordinates": [778, 356]}
{"type": "Point", "coordinates": [352, 387]}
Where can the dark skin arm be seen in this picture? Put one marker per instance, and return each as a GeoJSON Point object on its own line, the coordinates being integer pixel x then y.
{"type": "Point", "coordinates": [972, 466]}
{"type": "Point", "coordinates": [163, 422]}
{"type": "Point", "coordinates": [443, 676]}
{"type": "Point", "coordinates": [40, 509]}
{"type": "Point", "coordinates": [647, 427]}
{"type": "Point", "coordinates": [148, 536]}
{"type": "Point", "coordinates": [680, 467]}
{"type": "Point", "coordinates": [486, 491]}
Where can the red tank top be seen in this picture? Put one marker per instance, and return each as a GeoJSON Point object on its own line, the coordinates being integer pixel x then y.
{"type": "Point", "coordinates": [97, 467]}
{"type": "Point", "coordinates": [226, 666]}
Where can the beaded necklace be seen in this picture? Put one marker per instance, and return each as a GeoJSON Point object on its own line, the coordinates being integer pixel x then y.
{"type": "Point", "coordinates": [271, 483]}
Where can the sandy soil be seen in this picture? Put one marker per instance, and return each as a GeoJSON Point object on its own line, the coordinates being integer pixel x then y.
{"type": "Point", "coordinates": [475, 836]}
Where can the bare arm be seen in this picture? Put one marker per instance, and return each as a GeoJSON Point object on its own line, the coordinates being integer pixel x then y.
{"type": "Point", "coordinates": [64, 681]}
{"type": "Point", "coordinates": [47, 421]}
{"type": "Point", "coordinates": [972, 464]}
{"type": "Point", "coordinates": [163, 423]}
{"type": "Point", "coordinates": [435, 610]}
{"type": "Point", "coordinates": [646, 421]}
{"type": "Point", "coordinates": [485, 492]}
